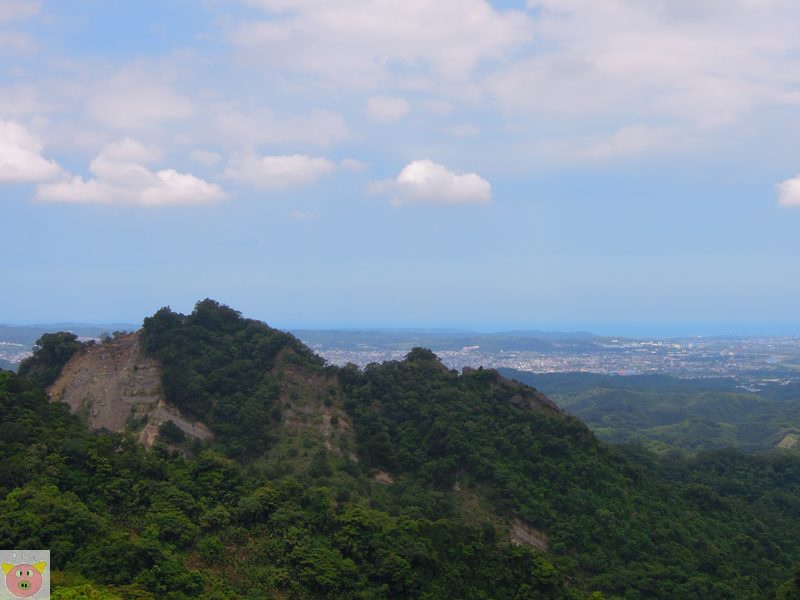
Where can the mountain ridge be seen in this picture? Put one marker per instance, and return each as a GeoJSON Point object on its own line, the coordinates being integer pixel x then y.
{"type": "Point", "coordinates": [402, 479]}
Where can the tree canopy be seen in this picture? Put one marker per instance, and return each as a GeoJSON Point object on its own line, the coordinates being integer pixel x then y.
{"type": "Point", "coordinates": [50, 354]}
{"type": "Point", "coordinates": [402, 480]}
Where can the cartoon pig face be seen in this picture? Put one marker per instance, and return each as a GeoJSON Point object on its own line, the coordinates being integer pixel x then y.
{"type": "Point", "coordinates": [24, 580]}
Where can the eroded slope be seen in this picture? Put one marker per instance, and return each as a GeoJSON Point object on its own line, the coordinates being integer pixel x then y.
{"type": "Point", "coordinates": [113, 385]}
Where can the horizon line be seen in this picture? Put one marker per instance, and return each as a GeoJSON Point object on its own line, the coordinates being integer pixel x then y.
{"type": "Point", "coordinates": [630, 330]}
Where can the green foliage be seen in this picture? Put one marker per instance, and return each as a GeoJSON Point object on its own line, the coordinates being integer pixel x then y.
{"type": "Point", "coordinates": [664, 412]}
{"type": "Point", "coordinates": [461, 458]}
{"type": "Point", "coordinates": [171, 433]}
{"type": "Point", "coordinates": [91, 591]}
{"type": "Point", "coordinates": [124, 522]}
{"type": "Point", "coordinates": [216, 368]}
{"type": "Point", "coordinates": [634, 526]}
{"type": "Point", "coordinates": [50, 354]}
{"type": "Point", "coordinates": [91, 499]}
{"type": "Point", "coordinates": [211, 549]}
{"type": "Point", "coordinates": [791, 589]}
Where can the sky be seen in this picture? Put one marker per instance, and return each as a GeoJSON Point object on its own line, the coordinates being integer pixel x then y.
{"type": "Point", "coordinates": [624, 166]}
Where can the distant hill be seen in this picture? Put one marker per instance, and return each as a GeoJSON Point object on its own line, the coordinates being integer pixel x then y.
{"type": "Point", "coordinates": [443, 340]}
{"type": "Point", "coordinates": [28, 334]}
{"type": "Point", "coordinates": [666, 412]}
{"type": "Point", "coordinates": [401, 480]}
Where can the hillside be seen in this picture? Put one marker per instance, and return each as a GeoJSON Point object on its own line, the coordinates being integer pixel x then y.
{"type": "Point", "coordinates": [114, 386]}
{"type": "Point", "coordinates": [401, 480]}
{"type": "Point", "coordinates": [668, 413]}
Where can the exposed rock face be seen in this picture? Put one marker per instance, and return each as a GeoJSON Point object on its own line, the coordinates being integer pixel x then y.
{"type": "Point", "coordinates": [114, 386]}
{"type": "Point", "coordinates": [522, 534]}
{"type": "Point", "coordinates": [790, 440]}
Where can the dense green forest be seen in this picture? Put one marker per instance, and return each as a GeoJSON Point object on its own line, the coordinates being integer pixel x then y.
{"type": "Point", "coordinates": [402, 480]}
{"type": "Point", "coordinates": [51, 353]}
{"type": "Point", "coordinates": [667, 413]}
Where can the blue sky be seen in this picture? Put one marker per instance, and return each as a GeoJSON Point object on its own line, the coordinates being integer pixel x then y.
{"type": "Point", "coordinates": [626, 166]}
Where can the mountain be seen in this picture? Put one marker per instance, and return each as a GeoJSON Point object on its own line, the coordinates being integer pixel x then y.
{"type": "Point", "coordinates": [401, 480]}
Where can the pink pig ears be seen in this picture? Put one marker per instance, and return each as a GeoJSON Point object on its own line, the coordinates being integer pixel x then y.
{"type": "Point", "coordinates": [7, 567]}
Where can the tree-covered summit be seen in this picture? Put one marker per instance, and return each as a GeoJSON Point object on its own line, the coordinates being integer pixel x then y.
{"type": "Point", "coordinates": [219, 368]}
{"type": "Point", "coordinates": [50, 353]}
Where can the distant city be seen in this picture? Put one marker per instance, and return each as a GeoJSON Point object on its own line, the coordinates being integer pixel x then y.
{"type": "Point", "coordinates": [753, 361]}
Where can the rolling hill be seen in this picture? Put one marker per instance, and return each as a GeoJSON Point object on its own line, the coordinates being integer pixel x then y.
{"type": "Point", "coordinates": [666, 413]}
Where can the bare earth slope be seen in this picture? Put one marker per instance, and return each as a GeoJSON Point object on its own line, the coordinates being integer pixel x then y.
{"type": "Point", "coordinates": [114, 386]}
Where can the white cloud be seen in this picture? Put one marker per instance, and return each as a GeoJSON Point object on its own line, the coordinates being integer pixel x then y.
{"type": "Point", "coordinates": [361, 43]}
{"type": "Point", "coordinates": [353, 164]}
{"type": "Point", "coordinates": [701, 63]}
{"type": "Point", "coordinates": [131, 99]}
{"type": "Point", "coordinates": [278, 172]}
{"type": "Point", "coordinates": [424, 181]}
{"type": "Point", "coordinates": [128, 151]}
{"type": "Point", "coordinates": [23, 100]}
{"type": "Point", "coordinates": [438, 106]}
{"type": "Point", "coordinates": [206, 157]}
{"type": "Point", "coordinates": [463, 131]}
{"type": "Point", "coordinates": [120, 176]}
{"type": "Point", "coordinates": [18, 9]}
{"type": "Point", "coordinates": [387, 109]}
{"type": "Point", "coordinates": [319, 128]}
{"type": "Point", "coordinates": [628, 141]}
{"type": "Point", "coordinates": [625, 144]}
{"type": "Point", "coordinates": [21, 157]}
{"type": "Point", "coordinates": [789, 192]}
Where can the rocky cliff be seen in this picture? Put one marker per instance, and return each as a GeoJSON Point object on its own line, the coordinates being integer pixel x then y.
{"type": "Point", "coordinates": [113, 385]}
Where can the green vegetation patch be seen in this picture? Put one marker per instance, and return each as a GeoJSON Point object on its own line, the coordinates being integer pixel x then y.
{"type": "Point", "coordinates": [218, 368]}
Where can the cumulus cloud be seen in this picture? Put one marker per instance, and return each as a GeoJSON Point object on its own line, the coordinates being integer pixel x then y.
{"type": "Point", "coordinates": [127, 151]}
{"type": "Point", "coordinates": [120, 176]}
{"type": "Point", "coordinates": [351, 41]}
{"type": "Point", "coordinates": [424, 181]}
{"type": "Point", "coordinates": [789, 192]}
{"type": "Point", "coordinates": [278, 172]}
{"type": "Point", "coordinates": [387, 109]}
{"type": "Point", "coordinates": [206, 157]}
{"type": "Point", "coordinates": [464, 130]}
{"type": "Point", "coordinates": [319, 127]}
{"type": "Point", "coordinates": [132, 99]}
{"type": "Point", "coordinates": [704, 63]}
{"type": "Point", "coordinates": [23, 100]}
{"type": "Point", "coordinates": [631, 140]}
{"type": "Point", "coordinates": [353, 164]}
{"type": "Point", "coordinates": [21, 157]}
